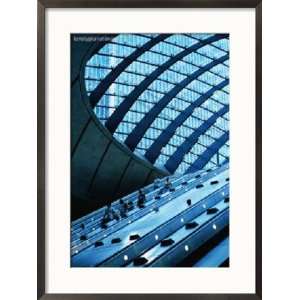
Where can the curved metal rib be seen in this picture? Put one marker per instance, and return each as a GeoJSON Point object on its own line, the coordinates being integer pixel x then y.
{"type": "Point", "coordinates": [177, 157]}
{"type": "Point", "coordinates": [208, 153]}
{"type": "Point", "coordinates": [155, 149]}
{"type": "Point", "coordinates": [138, 132]}
{"type": "Point", "coordinates": [112, 76]}
{"type": "Point", "coordinates": [118, 115]}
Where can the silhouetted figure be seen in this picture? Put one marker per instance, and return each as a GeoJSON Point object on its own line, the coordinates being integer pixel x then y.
{"type": "Point", "coordinates": [107, 217]}
{"type": "Point", "coordinates": [115, 215]}
{"type": "Point", "coordinates": [156, 184]}
{"type": "Point", "coordinates": [156, 209]}
{"type": "Point", "coordinates": [123, 208]}
{"type": "Point", "coordinates": [141, 199]}
{"type": "Point", "coordinates": [130, 206]}
{"type": "Point", "coordinates": [189, 202]}
{"type": "Point", "coordinates": [168, 184]}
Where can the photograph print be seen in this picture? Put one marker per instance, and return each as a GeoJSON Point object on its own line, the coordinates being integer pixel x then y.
{"type": "Point", "coordinates": [150, 150]}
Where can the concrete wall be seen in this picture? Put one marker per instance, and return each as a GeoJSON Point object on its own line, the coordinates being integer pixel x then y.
{"type": "Point", "coordinates": [102, 169]}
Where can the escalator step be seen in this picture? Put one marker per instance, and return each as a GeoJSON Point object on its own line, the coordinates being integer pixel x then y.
{"type": "Point", "coordinates": [214, 182]}
{"type": "Point", "coordinates": [191, 225]}
{"type": "Point", "coordinates": [212, 210]}
{"type": "Point", "coordinates": [116, 240]}
{"type": "Point", "coordinates": [83, 238]}
{"type": "Point", "coordinates": [134, 237]}
{"type": "Point", "coordinates": [167, 242]}
{"type": "Point", "coordinates": [139, 261]}
{"type": "Point", "coordinates": [98, 243]}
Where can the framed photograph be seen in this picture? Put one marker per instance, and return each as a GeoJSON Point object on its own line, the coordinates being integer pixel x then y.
{"type": "Point", "coordinates": [149, 149]}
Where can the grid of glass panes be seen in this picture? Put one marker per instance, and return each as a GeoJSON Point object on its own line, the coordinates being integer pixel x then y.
{"type": "Point", "coordinates": [197, 118]}
{"type": "Point", "coordinates": [167, 81]}
{"type": "Point", "coordinates": [136, 72]}
{"type": "Point", "coordinates": [145, 64]}
{"type": "Point", "coordinates": [103, 62]}
{"type": "Point", "coordinates": [183, 99]}
{"type": "Point", "coordinates": [175, 107]}
{"type": "Point", "coordinates": [123, 45]}
{"type": "Point", "coordinates": [204, 141]}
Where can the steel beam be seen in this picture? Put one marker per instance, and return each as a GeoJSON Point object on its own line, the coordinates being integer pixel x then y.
{"type": "Point", "coordinates": [208, 153]}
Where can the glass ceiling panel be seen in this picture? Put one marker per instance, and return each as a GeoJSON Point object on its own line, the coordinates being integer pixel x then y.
{"type": "Point", "coordinates": [211, 52]}
{"type": "Point", "coordinates": [129, 78]}
{"type": "Point", "coordinates": [167, 49]}
{"type": "Point", "coordinates": [224, 151]}
{"type": "Point", "coordinates": [151, 96]}
{"type": "Point", "coordinates": [222, 124]}
{"type": "Point", "coordinates": [197, 59]}
{"type": "Point", "coordinates": [184, 68]}
{"type": "Point", "coordinates": [212, 105]}
{"type": "Point", "coordinates": [161, 86]}
{"type": "Point", "coordinates": [131, 40]}
{"type": "Point", "coordinates": [221, 97]}
{"type": "Point", "coordinates": [222, 44]}
{"type": "Point", "coordinates": [171, 76]}
{"type": "Point", "coordinates": [200, 36]}
{"type": "Point", "coordinates": [134, 73]}
{"type": "Point", "coordinates": [161, 160]}
{"type": "Point", "coordinates": [153, 58]}
{"type": "Point", "coordinates": [199, 87]}
{"type": "Point", "coordinates": [181, 40]}
{"type": "Point", "coordinates": [220, 69]}
{"type": "Point", "coordinates": [178, 104]}
{"type": "Point", "coordinates": [182, 167]}
{"type": "Point", "coordinates": [198, 149]}
{"type": "Point", "coordinates": [226, 89]}
{"type": "Point", "coordinates": [176, 140]}
{"type": "Point", "coordinates": [188, 95]}
{"type": "Point", "coordinates": [210, 78]}
{"type": "Point", "coordinates": [141, 68]}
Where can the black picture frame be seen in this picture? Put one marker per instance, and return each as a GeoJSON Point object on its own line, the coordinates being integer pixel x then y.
{"type": "Point", "coordinates": [41, 148]}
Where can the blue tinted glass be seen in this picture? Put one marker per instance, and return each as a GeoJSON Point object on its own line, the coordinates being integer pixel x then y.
{"type": "Point", "coordinates": [161, 70]}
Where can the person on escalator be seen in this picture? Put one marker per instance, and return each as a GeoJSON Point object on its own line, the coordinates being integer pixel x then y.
{"type": "Point", "coordinates": [156, 184]}
{"type": "Point", "coordinates": [115, 215]}
{"type": "Point", "coordinates": [123, 208]}
{"type": "Point", "coordinates": [107, 217]}
{"type": "Point", "coordinates": [168, 184]}
{"type": "Point", "coordinates": [141, 199]}
{"type": "Point", "coordinates": [130, 205]}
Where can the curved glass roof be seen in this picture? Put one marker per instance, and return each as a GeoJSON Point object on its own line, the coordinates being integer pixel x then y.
{"type": "Point", "coordinates": [166, 96]}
